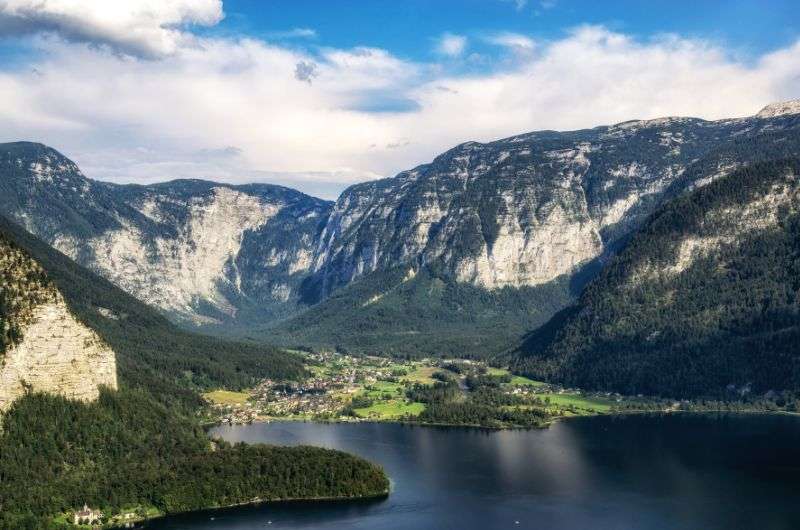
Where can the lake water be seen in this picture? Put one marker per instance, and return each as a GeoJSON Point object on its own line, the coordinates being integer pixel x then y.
{"type": "Point", "coordinates": [697, 472]}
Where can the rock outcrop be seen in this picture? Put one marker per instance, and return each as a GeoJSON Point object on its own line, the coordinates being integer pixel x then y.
{"type": "Point", "coordinates": [44, 348]}
{"type": "Point", "coordinates": [58, 355]}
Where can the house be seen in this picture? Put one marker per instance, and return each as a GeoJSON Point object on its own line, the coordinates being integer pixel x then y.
{"type": "Point", "coordinates": [87, 516]}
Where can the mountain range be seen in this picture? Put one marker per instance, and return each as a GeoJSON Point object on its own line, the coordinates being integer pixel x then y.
{"type": "Point", "coordinates": [463, 255]}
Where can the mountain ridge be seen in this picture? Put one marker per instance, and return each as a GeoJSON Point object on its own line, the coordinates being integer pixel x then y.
{"type": "Point", "coordinates": [520, 212]}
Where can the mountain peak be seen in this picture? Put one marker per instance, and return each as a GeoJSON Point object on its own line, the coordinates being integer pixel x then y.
{"type": "Point", "coordinates": [780, 108]}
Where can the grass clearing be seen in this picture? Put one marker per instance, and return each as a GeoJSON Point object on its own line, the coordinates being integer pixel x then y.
{"type": "Point", "coordinates": [389, 410]}
{"type": "Point", "coordinates": [226, 397]}
{"type": "Point", "coordinates": [588, 404]}
{"type": "Point", "coordinates": [422, 375]}
{"type": "Point", "coordinates": [518, 380]}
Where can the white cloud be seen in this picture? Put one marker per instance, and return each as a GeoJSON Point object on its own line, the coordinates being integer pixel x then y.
{"type": "Point", "coordinates": [451, 45]}
{"type": "Point", "coordinates": [232, 109]}
{"type": "Point", "coordinates": [137, 27]}
{"type": "Point", "coordinates": [516, 42]}
{"type": "Point", "coordinates": [294, 33]}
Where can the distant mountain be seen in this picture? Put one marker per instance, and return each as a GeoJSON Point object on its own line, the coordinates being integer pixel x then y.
{"type": "Point", "coordinates": [704, 300]}
{"type": "Point", "coordinates": [491, 239]}
{"type": "Point", "coordinates": [534, 215]}
{"type": "Point", "coordinates": [200, 251]}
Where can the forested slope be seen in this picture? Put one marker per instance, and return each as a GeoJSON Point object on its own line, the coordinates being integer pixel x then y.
{"type": "Point", "coordinates": [704, 300]}
{"type": "Point", "coordinates": [152, 352]}
{"type": "Point", "coordinates": [141, 445]}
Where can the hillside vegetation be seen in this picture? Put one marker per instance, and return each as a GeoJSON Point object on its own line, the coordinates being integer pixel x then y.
{"type": "Point", "coordinates": [397, 312]}
{"type": "Point", "coordinates": [142, 446]}
{"type": "Point", "coordinates": [152, 353]}
{"type": "Point", "coordinates": [704, 300]}
{"type": "Point", "coordinates": [126, 450]}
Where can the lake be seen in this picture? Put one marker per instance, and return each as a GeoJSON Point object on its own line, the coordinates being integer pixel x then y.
{"type": "Point", "coordinates": [680, 471]}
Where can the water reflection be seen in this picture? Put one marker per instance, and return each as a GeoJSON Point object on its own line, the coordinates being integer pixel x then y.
{"type": "Point", "coordinates": [644, 473]}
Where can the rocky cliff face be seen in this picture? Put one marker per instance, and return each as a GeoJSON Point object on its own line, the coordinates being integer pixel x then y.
{"type": "Point", "coordinates": [44, 347]}
{"type": "Point", "coordinates": [200, 251]}
{"type": "Point", "coordinates": [528, 209]}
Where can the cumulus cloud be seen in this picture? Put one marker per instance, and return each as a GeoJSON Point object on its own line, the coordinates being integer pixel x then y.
{"type": "Point", "coordinates": [451, 45]}
{"type": "Point", "coordinates": [136, 27]}
{"type": "Point", "coordinates": [130, 119]}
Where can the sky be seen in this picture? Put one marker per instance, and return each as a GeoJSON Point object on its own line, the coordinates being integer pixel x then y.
{"type": "Point", "coordinates": [319, 95]}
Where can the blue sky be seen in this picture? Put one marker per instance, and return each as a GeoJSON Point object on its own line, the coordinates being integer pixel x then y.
{"type": "Point", "coordinates": [322, 94]}
{"type": "Point", "coordinates": [407, 27]}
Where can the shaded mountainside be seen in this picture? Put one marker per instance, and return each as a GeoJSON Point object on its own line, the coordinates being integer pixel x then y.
{"type": "Point", "coordinates": [151, 352]}
{"type": "Point", "coordinates": [704, 300]}
{"type": "Point", "coordinates": [404, 312]}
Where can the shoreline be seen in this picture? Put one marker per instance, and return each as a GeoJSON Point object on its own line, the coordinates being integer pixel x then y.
{"type": "Point", "coordinates": [210, 425]}
{"type": "Point", "coordinates": [254, 502]}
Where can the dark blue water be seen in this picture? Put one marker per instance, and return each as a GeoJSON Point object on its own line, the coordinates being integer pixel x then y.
{"type": "Point", "coordinates": [696, 472]}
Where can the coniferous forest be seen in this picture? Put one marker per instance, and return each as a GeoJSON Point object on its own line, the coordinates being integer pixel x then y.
{"type": "Point", "coordinates": [141, 445]}
{"type": "Point", "coordinates": [720, 320]}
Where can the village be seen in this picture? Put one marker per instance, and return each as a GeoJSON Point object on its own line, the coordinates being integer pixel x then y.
{"type": "Point", "coordinates": [335, 380]}
{"type": "Point", "coordinates": [345, 387]}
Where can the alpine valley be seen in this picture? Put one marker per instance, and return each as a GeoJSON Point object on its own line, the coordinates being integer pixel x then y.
{"type": "Point", "coordinates": [657, 258]}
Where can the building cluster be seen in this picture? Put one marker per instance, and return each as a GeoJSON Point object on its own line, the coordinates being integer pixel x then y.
{"type": "Point", "coordinates": [86, 516]}
{"type": "Point", "coordinates": [337, 378]}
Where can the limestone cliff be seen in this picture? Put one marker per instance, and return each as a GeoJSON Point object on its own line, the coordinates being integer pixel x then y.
{"type": "Point", "coordinates": [44, 347]}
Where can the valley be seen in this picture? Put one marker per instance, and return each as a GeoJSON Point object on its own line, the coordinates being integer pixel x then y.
{"type": "Point", "coordinates": [486, 265]}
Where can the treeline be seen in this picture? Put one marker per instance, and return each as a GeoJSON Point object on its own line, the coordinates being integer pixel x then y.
{"type": "Point", "coordinates": [726, 324]}
{"type": "Point", "coordinates": [486, 405]}
{"type": "Point", "coordinates": [128, 449]}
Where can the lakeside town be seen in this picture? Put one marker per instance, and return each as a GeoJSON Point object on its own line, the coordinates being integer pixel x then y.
{"type": "Point", "coordinates": [344, 387]}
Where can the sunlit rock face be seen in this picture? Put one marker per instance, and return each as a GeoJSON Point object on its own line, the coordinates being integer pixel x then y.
{"type": "Point", "coordinates": [57, 355]}
{"type": "Point", "coordinates": [525, 210]}
{"type": "Point", "coordinates": [43, 347]}
{"type": "Point", "coordinates": [201, 251]}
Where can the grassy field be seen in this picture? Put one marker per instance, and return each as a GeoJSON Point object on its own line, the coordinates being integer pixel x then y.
{"type": "Point", "coordinates": [226, 397]}
{"type": "Point", "coordinates": [516, 380]}
{"type": "Point", "coordinates": [389, 402]}
{"type": "Point", "coordinates": [583, 403]}
{"type": "Point", "coordinates": [392, 409]}
{"type": "Point", "coordinates": [422, 374]}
